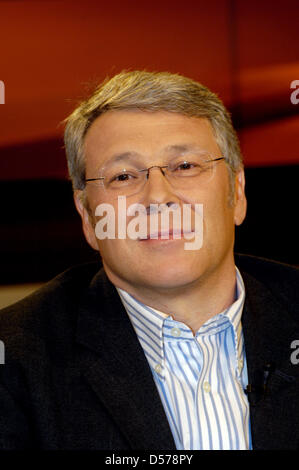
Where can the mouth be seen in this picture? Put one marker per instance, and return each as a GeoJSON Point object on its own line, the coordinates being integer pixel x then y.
{"type": "Point", "coordinates": [164, 236]}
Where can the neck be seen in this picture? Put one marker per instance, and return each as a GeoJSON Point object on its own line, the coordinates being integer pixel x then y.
{"type": "Point", "coordinates": [192, 304]}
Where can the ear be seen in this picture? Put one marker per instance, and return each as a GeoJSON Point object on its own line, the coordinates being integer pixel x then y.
{"type": "Point", "coordinates": [240, 202]}
{"type": "Point", "coordinates": [87, 225]}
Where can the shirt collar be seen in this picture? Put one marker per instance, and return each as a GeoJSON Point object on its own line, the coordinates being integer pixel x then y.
{"type": "Point", "coordinates": [153, 327]}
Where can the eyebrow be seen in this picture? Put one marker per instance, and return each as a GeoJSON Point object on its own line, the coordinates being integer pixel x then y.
{"type": "Point", "coordinates": [179, 148]}
{"type": "Point", "coordinates": [119, 157]}
{"type": "Point", "coordinates": [183, 148]}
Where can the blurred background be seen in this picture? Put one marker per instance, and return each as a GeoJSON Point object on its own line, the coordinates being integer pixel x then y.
{"type": "Point", "coordinates": [52, 53]}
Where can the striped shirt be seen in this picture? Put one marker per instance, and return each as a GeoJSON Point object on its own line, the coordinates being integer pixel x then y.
{"type": "Point", "coordinates": [200, 378]}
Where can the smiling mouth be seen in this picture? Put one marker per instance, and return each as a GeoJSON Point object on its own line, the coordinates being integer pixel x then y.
{"type": "Point", "coordinates": [167, 235]}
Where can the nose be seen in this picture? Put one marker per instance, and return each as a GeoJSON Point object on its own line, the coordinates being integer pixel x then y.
{"type": "Point", "coordinates": [161, 168]}
{"type": "Point", "coordinates": [157, 188]}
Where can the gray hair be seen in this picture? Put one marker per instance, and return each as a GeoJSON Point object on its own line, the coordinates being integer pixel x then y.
{"type": "Point", "coordinates": [150, 91]}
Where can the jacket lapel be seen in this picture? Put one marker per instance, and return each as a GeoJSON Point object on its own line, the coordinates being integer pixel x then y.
{"type": "Point", "coordinates": [269, 330]}
{"type": "Point", "coordinates": [118, 371]}
{"type": "Point", "coordinates": [116, 368]}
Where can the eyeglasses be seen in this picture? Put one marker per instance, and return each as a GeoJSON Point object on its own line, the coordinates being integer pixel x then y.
{"type": "Point", "coordinates": [181, 173]}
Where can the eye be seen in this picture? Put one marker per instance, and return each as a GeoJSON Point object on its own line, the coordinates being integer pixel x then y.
{"type": "Point", "coordinates": [185, 166]}
{"type": "Point", "coordinates": [123, 177]}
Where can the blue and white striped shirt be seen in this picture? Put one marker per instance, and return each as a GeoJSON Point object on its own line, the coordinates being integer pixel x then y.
{"type": "Point", "coordinates": [200, 378]}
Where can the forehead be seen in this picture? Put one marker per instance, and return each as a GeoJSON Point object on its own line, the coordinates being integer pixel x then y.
{"type": "Point", "coordinates": [150, 134]}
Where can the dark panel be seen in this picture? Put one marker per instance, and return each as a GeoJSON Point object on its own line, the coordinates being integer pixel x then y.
{"type": "Point", "coordinates": [271, 228]}
{"type": "Point", "coordinates": [41, 232]}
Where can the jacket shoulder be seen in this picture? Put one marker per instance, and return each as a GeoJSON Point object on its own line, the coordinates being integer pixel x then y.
{"type": "Point", "coordinates": [281, 279]}
{"type": "Point", "coordinates": [50, 308]}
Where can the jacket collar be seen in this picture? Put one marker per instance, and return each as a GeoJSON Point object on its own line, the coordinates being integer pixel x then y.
{"type": "Point", "coordinates": [269, 330]}
{"type": "Point", "coordinates": [115, 366]}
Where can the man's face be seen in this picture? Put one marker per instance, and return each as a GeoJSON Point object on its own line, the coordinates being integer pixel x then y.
{"type": "Point", "coordinates": [155, 138]}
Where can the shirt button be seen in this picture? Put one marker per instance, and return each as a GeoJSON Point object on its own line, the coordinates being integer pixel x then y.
{"type": "Point", "coordinates": [176, 332]}
{"type": "Point", "coordinates": [206, 387]}
{"type": "Point", "coordinates": [158, 368]}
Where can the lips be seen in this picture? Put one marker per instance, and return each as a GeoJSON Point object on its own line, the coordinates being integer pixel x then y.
{"type": "Point", "coordinates": [167, 235]}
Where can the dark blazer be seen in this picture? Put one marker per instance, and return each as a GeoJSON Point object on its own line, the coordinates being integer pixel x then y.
{"type": "Point", "coordinates": [75, 375]}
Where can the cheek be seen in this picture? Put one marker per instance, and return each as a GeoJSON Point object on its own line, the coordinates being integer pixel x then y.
{"type": "Point", "coordinates": [218, 219]}
{"type": "Point", "coordinates": [218, 225]}
{"type": "Point", "coordinates": [115, 253]}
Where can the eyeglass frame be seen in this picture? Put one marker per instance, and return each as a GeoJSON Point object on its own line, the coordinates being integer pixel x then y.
{"type": "Point", "coordinates": [149, 168]}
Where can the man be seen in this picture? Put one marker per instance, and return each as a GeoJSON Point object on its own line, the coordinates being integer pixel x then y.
{"type": "Point", "coordinates": [166, 347]}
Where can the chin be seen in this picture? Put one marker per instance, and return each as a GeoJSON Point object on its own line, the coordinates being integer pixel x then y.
{"type": "Point", "coordinates": [156, 270]}
{"type": "Point", "coordinates": [168, 275]}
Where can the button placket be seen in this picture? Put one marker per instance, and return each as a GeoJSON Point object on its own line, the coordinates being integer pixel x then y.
{"type": "Point", "coordinates": [175, 332]}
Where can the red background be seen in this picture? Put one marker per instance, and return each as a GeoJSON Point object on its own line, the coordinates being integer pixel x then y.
{"type": "Point", "coordinates": [52, 52]}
